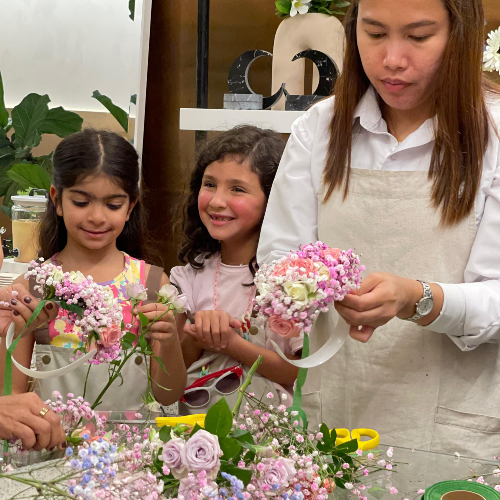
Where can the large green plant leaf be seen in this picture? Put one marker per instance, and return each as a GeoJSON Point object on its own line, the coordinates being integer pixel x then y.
{"type": "Point", "coordinates": [7, 156]}
{"type": "Point", "coordinates": [29, 175]}
{"type": "Point", "coordinates": [45, 161]}
{"type": "Point", "coordinates": [4, 140]}
{"type": "Point", "coordinates": [219, 419]}
{"type": "Point", "coordinates": [117, 112]}
{"type": "Point", "coordinates": [28, 118]}
{"type": "Point", "coordinates": [61, 122]}
{"type": "Point", "coordinates": [7, 201]}
{"type": "Point", "coordinates": [131, 8]}
{"type": "Point", "coordinates": [283, 6]}
{"type": "Point", "coordinates": [4, 114]}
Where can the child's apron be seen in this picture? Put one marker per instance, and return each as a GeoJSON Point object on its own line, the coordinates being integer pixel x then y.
{"type": "Point", "coordinates": [122, 395]}
{"type": "Point", "coordinates": [414, 386]}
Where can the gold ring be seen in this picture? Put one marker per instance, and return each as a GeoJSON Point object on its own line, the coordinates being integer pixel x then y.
{"type": "Point", "coordinates": [43, 411]}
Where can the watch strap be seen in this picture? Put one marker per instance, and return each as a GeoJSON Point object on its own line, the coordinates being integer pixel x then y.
{"type": "Point", "coordinates": [427, 295]}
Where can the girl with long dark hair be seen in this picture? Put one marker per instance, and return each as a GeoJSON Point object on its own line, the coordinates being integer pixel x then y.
{"type": "Point", "coordinates": [95, 224]}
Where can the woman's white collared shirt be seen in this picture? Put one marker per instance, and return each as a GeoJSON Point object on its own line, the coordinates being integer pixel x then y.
{"type": "Point", "coordinates": [471, 310]}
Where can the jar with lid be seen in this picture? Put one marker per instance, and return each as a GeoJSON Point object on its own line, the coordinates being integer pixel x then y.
{"type": "Point", "coordinates": [26, 215]}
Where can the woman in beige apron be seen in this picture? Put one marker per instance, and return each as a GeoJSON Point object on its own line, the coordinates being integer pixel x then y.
{"type": "Point", "coordinates": [428, 375]}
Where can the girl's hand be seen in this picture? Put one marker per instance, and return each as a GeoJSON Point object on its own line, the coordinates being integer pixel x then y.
{"type": "Point", "coordinates": [212, 328]}
{"type": "Point", "coordinates": [164, 329]}
{"type": "Point", "coordinates": [380, 298]}
{"type": "Point", "coordinates": [20, 310]}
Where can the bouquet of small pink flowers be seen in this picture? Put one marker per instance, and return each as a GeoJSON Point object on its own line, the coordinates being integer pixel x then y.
{"type": "Point", "coordinates": [293, 290]}
{"type": "Point", "coordinates": [90, 306]}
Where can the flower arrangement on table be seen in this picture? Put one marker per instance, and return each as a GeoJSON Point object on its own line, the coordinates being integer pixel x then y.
{"type": "Point", "coordinates": [491, 56]}
{"type": "Point", "coordinates": [291, 8]}
{"type": "Point", "coordinates": [104, 336]}
{"type": "Point", "coordinates": [262, 452]}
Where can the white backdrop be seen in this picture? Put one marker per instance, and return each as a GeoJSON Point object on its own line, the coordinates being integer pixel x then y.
{"type": "Point", "coordinates": [69, 48]}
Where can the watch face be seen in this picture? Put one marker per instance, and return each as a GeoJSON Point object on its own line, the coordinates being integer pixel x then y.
{"type": "Point", "coordinates": [425, 306]}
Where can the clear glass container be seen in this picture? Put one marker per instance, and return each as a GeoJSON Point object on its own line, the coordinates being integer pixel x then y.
{"type": "Point", "coordinates": [26, 215]}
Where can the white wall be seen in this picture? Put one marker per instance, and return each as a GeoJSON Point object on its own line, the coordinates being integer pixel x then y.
{"type": "Point", "coordinates": [69, 48]}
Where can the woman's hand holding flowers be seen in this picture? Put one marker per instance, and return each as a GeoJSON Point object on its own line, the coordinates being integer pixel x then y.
{"type": "Point", "coordinates": [162, 322]}
{"type": "Point", "coordinates": [380, 298]}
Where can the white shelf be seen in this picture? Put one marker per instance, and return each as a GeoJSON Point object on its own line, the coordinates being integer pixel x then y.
{"type": "Point", "coordinates": [224, 119]}
{"type": "Point", "coordinates": [11, 266]}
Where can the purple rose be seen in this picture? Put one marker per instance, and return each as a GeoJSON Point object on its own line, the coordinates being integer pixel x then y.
{"type": "Point", "coordinates": [202, 452]}
{"type": "Point", "coordinates": [278, 472]}
{"type": "Point", "coordinates": [136, 291]}
{"type": "Point", "coordinates": [171, 457]}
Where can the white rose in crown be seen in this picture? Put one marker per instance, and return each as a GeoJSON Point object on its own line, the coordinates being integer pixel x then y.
{"type": "Point", "coordinates": [299, 291]}
{"type": "Point", "coordinates": [168, 292]}
{"type": "Point", "coordinates": [57, 276]}
{"type": "Point", "coordinates": [76, 277]}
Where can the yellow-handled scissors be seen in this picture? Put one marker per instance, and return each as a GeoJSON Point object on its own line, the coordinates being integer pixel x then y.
{"type": "Point", "coordinates": [190, 420]}
{"type": "Point", "coordinates": [343, 435]}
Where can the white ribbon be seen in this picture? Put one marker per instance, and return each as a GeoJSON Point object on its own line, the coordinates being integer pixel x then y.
{"type": "Point", "coordinates": [335, 341]}
{"type": "Point", "coordinates": [45, 374]}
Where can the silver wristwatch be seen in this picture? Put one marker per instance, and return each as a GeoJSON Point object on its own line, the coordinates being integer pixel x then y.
{"type": "Point", "coordinates": [424, 305]}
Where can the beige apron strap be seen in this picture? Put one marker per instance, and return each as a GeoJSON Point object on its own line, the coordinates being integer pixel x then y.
{"type": "Point", "coordinates": [153, 283]}
{"type": "Point", "coordinates": [41, 334]}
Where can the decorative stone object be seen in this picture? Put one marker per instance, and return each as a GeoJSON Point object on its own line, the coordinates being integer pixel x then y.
{"type": "Point", "coordinates": [328, 74]}
{"type": "Point", "coordinates": [238, 82]}
{"type": "Point", "coordinates": [319, 32]}
{"type": "Point", "coordinates": [243, 101]}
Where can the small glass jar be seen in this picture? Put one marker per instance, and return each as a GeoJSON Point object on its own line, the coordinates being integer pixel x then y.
{"type": "Point", "coordinates": [26, 215]}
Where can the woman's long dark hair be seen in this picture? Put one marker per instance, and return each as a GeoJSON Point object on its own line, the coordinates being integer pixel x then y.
{"type": "Point", "coordinates": [262, 149]}
{"type": "Point", "coordinates": [93, 153]}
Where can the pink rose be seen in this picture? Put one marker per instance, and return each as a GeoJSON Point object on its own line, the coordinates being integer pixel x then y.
{"type": "Point", "coordinates": [136, 291]}
{"type": "Point", "coordinates": [202, 452]}
{"type": "Point", "coordinates": [285, 328]}
{"type": "Point", "coordinates": [111, 336]}
{"type": "Point", "coordinates": [333, 252]}
{"type": "Point", "coordinates": [281, 269]}
{"type": "Point", "coordinates": [171, 457]}
{"type": "Point", "coordinates": [279, 472]}
{"type": "Point", "coordinates": [307, 264]}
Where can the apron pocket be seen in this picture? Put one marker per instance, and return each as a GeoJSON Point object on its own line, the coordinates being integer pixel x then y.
{"type": "Point", "coordinates": [469, 434]}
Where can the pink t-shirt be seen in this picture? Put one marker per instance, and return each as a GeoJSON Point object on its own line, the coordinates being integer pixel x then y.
{"type": "Point", "coordinates": [233, 297]}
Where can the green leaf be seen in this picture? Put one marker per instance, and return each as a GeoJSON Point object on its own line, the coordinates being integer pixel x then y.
{"type": "Point", "coordinates": [326, 434]}
{"type": "Point", "coordinates": [143, 343]}
{"type": "Point", "coordinates": [72, 308]}
{"type": "Point", "coordinates": [164, 433]}
{"type": "Point", "coordinates": [7, 201]}
{"type": "Point", "coordinates": [4, 114]}
{"type": "Point", "coordinates": [243, 474]}
{"type": "Point", "coordinates": [230, 447]}
{"type": "Point", "coordinates": [340, 482]}
{"type": "Point", "coordinates": [196, 428]}
{"type": "Point", "coordinates": [126, 345]}
{"type": "Point", "coordinates": [117, 112]}
{"type": "Point", "coordinates": [160, 362]}
{"type": "Point", "coordinates": [341, 5]}
{"type": "Point", "coordinates": [5, 183]}
{"type": "Point", "coordinates": [131, 8]}
{"type": "Point", "coordinates": [219, 419]}
{"type": "Point", "coordinates": [129, 337]}
{"type": "Point", "coordinates": [133, 99]}
{"type": "Point", "coordinates": [4, 140]}
{"type": "Point", "coordinates": [45, 161]}
{"type": "Point", "coordinates": [284, 6]}
{"type": "Point", "coordinates": [144, 319]}
{"type": "Point", "coordinates": [28, 118]}
{"type": "Point", "coordinates": [61, 122]}
{"type": "Point", "coordinates": [30, 175]}
{"type": "Point", "coordinates": [349, 447]}
{"type": "Point", "coordinates": [7, 156]}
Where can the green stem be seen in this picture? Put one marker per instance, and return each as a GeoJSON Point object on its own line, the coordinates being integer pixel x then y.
{"type": "Point", "coordinates": [112, 379]}
{"type": "Point", "coordinates": [86, 380]}
{"type": "Point", "coordinates": [242, 389]}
